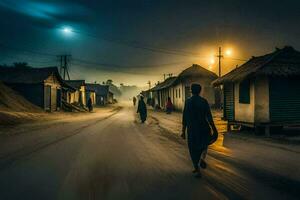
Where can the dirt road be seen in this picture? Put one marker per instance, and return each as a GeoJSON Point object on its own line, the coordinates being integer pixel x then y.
{"type": "Point", "coordinates": [119, 158]}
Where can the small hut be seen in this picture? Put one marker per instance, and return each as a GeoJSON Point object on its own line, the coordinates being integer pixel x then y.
{"type": "Point", "coordinates": [103, 94]}
{"type": "Point", "coordinates": [179, 88]}
{"type": "Point", "coordinates": [162, 91]}
{"type": "Point", "coordinates": [264, 92]}
{"type": "Point", "coordinates": [41, 86]}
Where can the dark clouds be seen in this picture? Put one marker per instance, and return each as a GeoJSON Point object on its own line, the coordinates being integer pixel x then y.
{"type": "Point", "coordinates": [249, 27]}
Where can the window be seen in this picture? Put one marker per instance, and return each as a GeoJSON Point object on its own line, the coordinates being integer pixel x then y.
{"type": "Point", "coordinates": [244, 92]}
{"type": "Point", "coordinates": [176, 94]}
{"type": "Point", "coordinates": [179, 93]}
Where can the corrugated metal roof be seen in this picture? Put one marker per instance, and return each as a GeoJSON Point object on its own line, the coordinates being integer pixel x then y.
{"type": "Point", "coordinates": [26, 75]}
{"type": "Point", "coordinates": [282, 62]}
{"type": "Point", "coordinates": [193, 71]}
{"type": "Point", "coordinates": [167, 83]}
{"type": "Point", "coordinates": [30, 75]}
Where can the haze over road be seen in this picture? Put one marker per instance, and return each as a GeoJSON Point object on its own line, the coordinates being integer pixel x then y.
{"type": "Point", "coordinates": [119, 158]}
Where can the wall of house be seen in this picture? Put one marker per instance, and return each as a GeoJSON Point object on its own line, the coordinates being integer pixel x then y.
{"type": "Point", "coordinates": [82, 92]}
{"type": "Point", "coordinates": [54, 99]}
{"type": "Point", "coordinates": [71, 97]}
{"type": "Point", "coordinates": [34, 93]}
{"type": "Point", "coordinates": [208, 91]}
{"type": "Point", "coordinates": [91, 95]}
{"type": "Point", "coordinates": [262, 112]}
{"type": "Point", "coordinates": [53, 82]}
{"type": "Point", "coordinates": [244, 112]}
{"type": "Point", "coordinates": [76, 96]}
{"type": "Point", "coordinates": [178, 100]}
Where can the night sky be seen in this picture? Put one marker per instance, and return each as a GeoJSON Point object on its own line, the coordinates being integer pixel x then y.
{"type": "Point", "coordinates": [132, 42]}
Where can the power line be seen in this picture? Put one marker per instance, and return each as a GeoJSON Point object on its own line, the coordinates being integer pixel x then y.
{"type": "Point", "coordinates": [81, 61]}
{"type": "Point", "coordinates": [125, 66]}
{"type": "Point", "coordinates": [139, 45]}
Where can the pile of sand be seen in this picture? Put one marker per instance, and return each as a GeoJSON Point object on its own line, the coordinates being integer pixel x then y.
{"type": "Point", "coordinates": [14, 108]}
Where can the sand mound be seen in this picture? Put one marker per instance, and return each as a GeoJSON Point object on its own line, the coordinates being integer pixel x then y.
{"type": "Point", "coordinates": [10, 100]}
{"type": "Point", "coordinates": [15, 109]}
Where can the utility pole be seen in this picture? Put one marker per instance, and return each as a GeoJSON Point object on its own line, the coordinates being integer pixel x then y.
{"type": "Point", "coordinates": [220, 56]}
{"type": "Point", "coordinates": [64, 64]}
{"type": "Point", "coordinates": [149, 83]}
{"type": "Point", "coordinates": [164, 76]}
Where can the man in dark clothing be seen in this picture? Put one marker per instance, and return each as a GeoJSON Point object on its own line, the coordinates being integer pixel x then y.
{"type": "Point", "coordinates": [90, 105]}
{"type": "Point", "coordinates": [198, 121]}
{"type": "Point", "coordinates": [142, 109]}
{"type": "Point", "coordinates": [134, 101]}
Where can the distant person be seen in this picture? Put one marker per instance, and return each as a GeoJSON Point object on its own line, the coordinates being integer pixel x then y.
{"type": "Point", "coordinates": [142, 109]}
{"type": "Point", "coordinates": [134, 101]}
{"type": "Point", "coordinates": [90, 105]}
{"type": "Point", "coordinates": [198, 121]}
{"type": "Point", "coordinates": [169, 106]}
{"type": "Point", "coordinates": [102, 101]}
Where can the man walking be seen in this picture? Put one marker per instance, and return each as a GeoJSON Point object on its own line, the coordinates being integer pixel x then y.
{"type": "Point", "coordinates": [90, 104]}
{"type": "Point", "coordinates": [134, 101]}
{"type": "Point", "coordinates": [142, 109]}
{"type": "Point", "coordinates": [198, 121]}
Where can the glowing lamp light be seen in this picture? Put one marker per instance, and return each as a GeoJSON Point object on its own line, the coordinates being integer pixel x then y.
{"type": "Point", "coordinates": [228, 52]}
{"type": "Point", "coordinates": [212, 61]}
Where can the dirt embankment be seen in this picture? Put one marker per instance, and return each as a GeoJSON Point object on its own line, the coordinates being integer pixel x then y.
{"type": "Point", "coordinates": [15, 109]}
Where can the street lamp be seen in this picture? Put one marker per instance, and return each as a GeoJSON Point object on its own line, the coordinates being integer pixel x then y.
{"type": "Point", "coordinates": [228, 52]}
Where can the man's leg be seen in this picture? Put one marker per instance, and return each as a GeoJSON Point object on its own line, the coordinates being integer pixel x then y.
{"type": "Point", "coordinates": [203, 156]}
{"type": "Point", "coordinates": [195, 157]}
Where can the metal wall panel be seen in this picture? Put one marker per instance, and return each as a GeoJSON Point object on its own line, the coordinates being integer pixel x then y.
{"type": "Point", "coordinates": [229, 101]}
{"type": "Point", "coordinates": [284, 99]}
{"type": "Point", "coordinates": [47, 98]}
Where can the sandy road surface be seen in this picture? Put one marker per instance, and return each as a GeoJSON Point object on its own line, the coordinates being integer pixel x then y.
{"type": "Point", "coordinates": [119, 158]}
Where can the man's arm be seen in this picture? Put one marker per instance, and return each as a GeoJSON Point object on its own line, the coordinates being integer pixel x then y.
{"type": "Point", "coordinates": [210, 119]}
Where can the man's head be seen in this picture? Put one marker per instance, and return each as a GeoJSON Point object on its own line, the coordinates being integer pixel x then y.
{"type": "Point", "coordinates": [196, 89]}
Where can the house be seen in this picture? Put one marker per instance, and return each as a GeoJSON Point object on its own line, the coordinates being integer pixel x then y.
{"type": "Point", "coordinates": [41, 86]}
{"type": "Point", "coordinates": [162, 91]}
{"type": "Point", "coordinates": [264, 91]}
{"type": "Point", "coordinates": [178, 88]}
{"type": "Point", "coordinates": [79, 95]}
{"type": "Point", "coordinates": [103, 94]}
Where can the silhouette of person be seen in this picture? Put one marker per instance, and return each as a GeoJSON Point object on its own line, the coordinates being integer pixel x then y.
{"type": "Point", "coordinates": [198, 121]}
{"type": "Point", "coordinates": [134, 101]}
{"type": "Point", "coordinates": [142, 109]}
{"type": "Point", "coordinates": [90, 105]}
{"type": "Point", "coordinates": [169, 106]}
